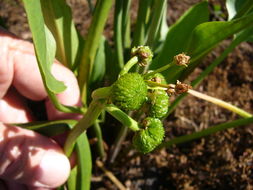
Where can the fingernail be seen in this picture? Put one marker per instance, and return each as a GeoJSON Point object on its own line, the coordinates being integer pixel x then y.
{"type": "Point", "coordinates": [53, 171]}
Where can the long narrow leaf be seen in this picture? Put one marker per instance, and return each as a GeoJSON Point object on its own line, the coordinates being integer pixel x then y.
{"type": "Point", "coordinates": [91, 44]}
{"type": "Point", "coordinates": [58, 18]}
{"type": "Point", "coordinates": [44, 43]}
{"type": "Point", "coordinates": [179, 34]}
{"type": "Point", "coordinates": [84, 163]}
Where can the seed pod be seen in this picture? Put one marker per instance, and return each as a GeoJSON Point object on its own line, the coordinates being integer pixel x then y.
{"type": "Point", "coordinates": [129, 92]}
{"type": "Point", "coordinates": [148, 138]}
{"type": "Point", "coordinates": [157, 77]}
{"type": "Point", "coordinates": [158, 103]}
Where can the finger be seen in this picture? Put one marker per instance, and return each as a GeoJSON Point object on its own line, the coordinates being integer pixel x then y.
{"type": "Point", "coordinates": [13, 108]}
{"type": "Point", "coordinates": [27, 79]}
{"type": "Point", "coordinates": [6, 65]}
{"type": "Point", "coordinates": [15, 186]}
{"type": "Point", "coordinates": [29, 158]}
{"type": "Point", "coordinates": [70, 97]}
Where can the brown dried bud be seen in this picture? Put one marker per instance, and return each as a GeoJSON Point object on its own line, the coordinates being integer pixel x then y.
{"type": "Point", "coordinates": [182, 59]}
{"type": "Point", "coordinates": [181, 87]}
{"type": "Point", "coordinates": [144, 54]}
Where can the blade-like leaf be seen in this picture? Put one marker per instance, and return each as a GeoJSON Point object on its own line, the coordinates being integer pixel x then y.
{"type": "Point", "coordinates": [44, 44]}
{"type": "Point", "coordinates": [179, 34]}
{"type": "Point", "coordinates": [98, 71]}
{"type": "Point", "coordinates": [238, 8]}
{"type": "Point", "coordinates": [207, 35]}
{"type": "Point", "coordinates": [57, 16]}
{"type": "Point", "coordinates": [84, 166]}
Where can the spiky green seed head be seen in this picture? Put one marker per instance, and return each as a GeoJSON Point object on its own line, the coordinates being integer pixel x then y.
{"type": "Point", "coordinates": [129, 92]}
{"type": "Point", "coordinates": [157, 77]}
{"type": "Point", "coordinates": [148, 138]}
{"type": "Point", "coordinates": [158, 103]}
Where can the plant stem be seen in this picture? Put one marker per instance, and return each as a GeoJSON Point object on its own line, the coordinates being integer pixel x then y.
{"type": "Point", "coordinates": [94, 110]}
{"type": "Point", "coordinates": [158, 9]}
{"type": "Point", "coordinates": [161, 69]}
{"type": "Point", "coordinates": [98, 133]}
{"type": "Point", "coordinates": [101, 93]}
{"type": "Point", "coordinates": [205, 97]}
{"type": "Point", "coordinates": [142, 19]}
{"type": "Point", "coordinates": [91, 44]}
{"type": "Point", "coordinates": [122, 117]}
{"type": "Point", "coordinates": [239, 38]}
{"type": "Point", "coordinates": [220, 103]}
{"type": "Point", "coordinates": [206, 132]}
{"type": "Point", "coordinates": [134, 60]}
{"type": "Point", "coordinates": [126, 24]}
{"type": "Point", "coordinates": [118, 35]}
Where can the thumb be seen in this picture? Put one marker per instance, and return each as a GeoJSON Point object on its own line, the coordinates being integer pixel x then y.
{"type": "Point", "coordinates": [30, 158]}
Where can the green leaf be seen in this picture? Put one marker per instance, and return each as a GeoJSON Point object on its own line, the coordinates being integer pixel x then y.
{"type": "Point", "coordinates": [58, 18]}
{"type": "Point", "coordinates": [44, 44]}
{"type": "Point", "coordinates": [179, 34]}
{"type": "Point", "coordinates": [207, 35]}
{"type": "Point", "coordinates": [72, 179]}
{"type": "Point", "coordinates": [99, 66]}
{"type": "Point", "coordinates": [238, 8]}
{"type": "Point", "coordinates": [84, 166]}
{"type": "Point", "coordinates": [101, 13]}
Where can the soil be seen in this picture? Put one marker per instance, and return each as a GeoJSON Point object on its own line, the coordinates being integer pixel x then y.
{"type": "Point", "coordinates": [220, 161]}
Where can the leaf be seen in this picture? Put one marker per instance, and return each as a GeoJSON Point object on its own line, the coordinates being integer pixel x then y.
{"type": "Point", "coordinates": [179, 34]}
{"type": "Point", "coordinates": [57, 16]}
{"type": "Point", "coordinates": [84, 166]}
{"type": "Point", "coordinates": [44, 44]}
{"type": "Point", "coordinates": [98, 71]}
{"type": "Point", "coordinates": [207, 35]}
{"type": "Point", "coordinates": [238, 8]}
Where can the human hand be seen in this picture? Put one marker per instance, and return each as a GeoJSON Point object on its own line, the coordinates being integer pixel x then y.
{"type": "Point", "coordinates": [29, 160]}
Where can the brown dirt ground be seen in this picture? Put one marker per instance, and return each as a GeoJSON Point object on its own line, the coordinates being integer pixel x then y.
{"type": "Point", "coordinates": [221, 161]}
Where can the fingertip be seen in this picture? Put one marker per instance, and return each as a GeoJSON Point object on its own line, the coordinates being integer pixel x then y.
{"type": "Point", "coordinates": [53, 170]}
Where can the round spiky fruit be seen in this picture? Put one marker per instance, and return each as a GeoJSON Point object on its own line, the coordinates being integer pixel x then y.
{"type": "Point", "coordinates": [129, 92]}
{"type": "Point", "coordinates": [158, 104]}
{"type": "Point", "coordinates": [148, 138]}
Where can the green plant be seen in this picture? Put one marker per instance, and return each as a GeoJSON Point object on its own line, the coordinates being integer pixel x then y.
{"type": "Point", "coordinates": [137, 83]}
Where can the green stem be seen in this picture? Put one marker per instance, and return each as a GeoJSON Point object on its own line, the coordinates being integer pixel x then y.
{"type": "Point", "coordinates": [121, 136]}
{"type": "Point", "coordinates": [161, 69]}
{"type": "Point", "coordinates": [126, 24]}
{"type": "Point", "coordinates": [158, 9]}
{"type": "Point", "coordinates": [101, 93]}
{"type": "Point", "coordinates": [241, 37]}
{"type": "Point", "coordinates": [91, 44]}
{"type": "Point", "coordinates": [122, 117]}
{"type": "Point", "coordinates": [205, 97]}
{"type": "Point", "coordinates": [220, 103]}
{"type": "Point", "coordinates": [118, 36]}
{"type": "Point", "coordinates": [98, 133]}
{"type": "Point", "coordinates": [94, 110]}
{"type": "Point", "coordinates": [134, 60]}
{"type": "Point", "coordinates": [206, 132]}
{"type": "Point", "coordinates": [142, 20]}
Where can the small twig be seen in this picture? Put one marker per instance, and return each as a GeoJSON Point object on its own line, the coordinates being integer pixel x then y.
{"type": "Point", "coordinates": [110, 176]}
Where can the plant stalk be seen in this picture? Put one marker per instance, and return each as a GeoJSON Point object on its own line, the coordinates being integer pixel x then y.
{"type": "Point", "coordinates": [206, 132]}
{"type": "Point", "coordinates": [220, 103]}
{"type": "Point", "coordinates": [134, 60]}
{"type": "Point", "coordinates": [94, 110]}
{"type": "Point", "coordinates": [91, 45]}
{"type": "Point", "coordinates": [122, 117]}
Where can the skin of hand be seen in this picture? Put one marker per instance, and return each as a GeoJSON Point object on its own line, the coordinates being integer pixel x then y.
{"type": "Point", "coordinates": [29, 160]}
